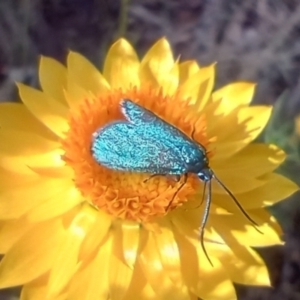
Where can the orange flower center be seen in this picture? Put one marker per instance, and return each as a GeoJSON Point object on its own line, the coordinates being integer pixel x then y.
{"type": "Point", "coordinates": [128, 195]}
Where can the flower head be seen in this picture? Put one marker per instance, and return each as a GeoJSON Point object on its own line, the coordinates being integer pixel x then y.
{"type": "Point", "coordinates": [74, 229]}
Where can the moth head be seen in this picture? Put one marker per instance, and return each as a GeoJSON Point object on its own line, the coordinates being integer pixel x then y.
{"type": "Point", "coordinates": [205, 174]}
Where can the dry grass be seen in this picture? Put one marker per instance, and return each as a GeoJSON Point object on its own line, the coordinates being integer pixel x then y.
{"type": "Point", "coordinates": [255, 40]}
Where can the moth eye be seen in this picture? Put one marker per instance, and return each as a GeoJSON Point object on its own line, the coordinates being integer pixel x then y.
{"type": "Point", "coordinates": [202, 177]}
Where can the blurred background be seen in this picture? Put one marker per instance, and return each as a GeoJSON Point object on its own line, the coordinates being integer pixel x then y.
{"type": "Point", "coordinates": [255, 40]}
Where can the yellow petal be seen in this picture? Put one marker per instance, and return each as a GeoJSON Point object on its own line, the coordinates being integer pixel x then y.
{"type": "Point", "coordinates": [57, 204]}
{"type": "Point", "coordinates": [233, 182]}
{"type": "Point", "coordinates": [34, 291]}
{"type": "Point", "coordinates": [238, 247]}
{"type": "Point", "coordinates": [188, 258]}
{"type": "Point", "coordinates": [27, 197]}
{"type": "Point", "coordinates": [250, 120]}
{"type": "Point", "coordinates": [241, 271]}
{"type": "Point", "coordinates": [96, 235]}
{"type": "Point", "coordinates": [255, 119]}
{"type": "Point", "coordinates": [246, 274]}
{"type": "Point", "coordinates": [17, 117]}
{"type": "Point", "coordinates": [51, 158]}
{"type": "Point", "coordinates": [24, 143]}
{"type": "Point", "coordinates": [264, 195]}
{"type": "Point", "coordinates": [84, 73]}
{"type": "Point", "coordinates": [262, 215]}
{"type": "Point", "coordinates": [238, 130]}
{"type": "Point", "coordinates": [66, 262]}
{"type": "Point", "coordinates": [121, 66]}
{"type": "Point", "coordinates": [11, 231]}
{"type": "Point", "coordinates": [11, 180]}
{"type": "Point", "coordinates": [15, 165]}
{"type": "Point", "coordinates": [50, 164]}
{"type": "Point", "coordinates": [243, 231]}
{"type": "Point", "coordinates": [120, 274]}
{"type": "Point", "coordinates": [196, 268]}
{"type": "Point", "coordinates": [130, 241]}
{"type": "Point", "coordinates": [171, 81]}
{"type": "Point", "coordinates": [221, 287]}
{"type": "Point", "coordinates": [75, 94]}
{"type": "Point", "coordinates": [187, 222]}
{"type": "Point", "coordinates": [35, 100]}
{"type": "Point", "coordinates": [32, 255]}
{"type": "Point", "coordinates": [153, 269]}
{"type": "Point", "coordinates": [254, 160]}
{"type": "Point", "coordinates": [187, 69]}
{"type": "Point", "coordinates": [161, 55]}
{"type": "Point", "coordinates": [159, 69]}
{"type": "Point", "coordinates": [198, 87]}
{"type": "Point", "coordinates": [37, 290]}
{"type": "Point", "coordinates": [140, 287]}
{"type": "Point", "coordinates": [53, 80]}
{"type": "Point", "coordinates": [169, 253]}
{"type": "Point", "coordinates": [234, 95]}
{"type": "Point", "coordinates": [51, 113]}
{"type": "Point", "coordinates": [54, 172]}
{"type": "Point", "coordinates": [92, 280]}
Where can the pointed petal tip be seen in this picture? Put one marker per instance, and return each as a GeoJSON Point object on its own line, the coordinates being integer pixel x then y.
{"type": "Point", "coordinates": [121, 43]}
{"type": "Point", "coordinates": [213, 64]}
{"type": "Point", "coordinates": [163, 41]}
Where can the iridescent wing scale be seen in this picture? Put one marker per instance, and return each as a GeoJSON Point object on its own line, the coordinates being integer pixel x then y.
{"type": "Point", "coordinates": [145, 143]}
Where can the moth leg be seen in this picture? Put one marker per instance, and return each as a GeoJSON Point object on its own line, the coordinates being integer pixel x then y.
{"type": "Point", "coordinates": [151, 176]}
{"type": "Point", "coordinates": [193, 133]}
{"type": "Point", "coordinates": [203, 196]}
{"type": "Point", "coordinates": [174, 177]}
{"type": "Point", "coordinates": [185, 177]}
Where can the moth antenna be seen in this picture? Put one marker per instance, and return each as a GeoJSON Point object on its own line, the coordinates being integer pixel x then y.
{"type": "Point", "coordinates": [204, 220]}
{"type": "Point", "coordinates": [235, 201]}
{"type": "Point", "coordinates": [203, 195]}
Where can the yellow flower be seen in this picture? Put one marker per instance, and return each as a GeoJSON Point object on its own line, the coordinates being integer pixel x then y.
{"type": "Point", "coordinates": [73, 229]}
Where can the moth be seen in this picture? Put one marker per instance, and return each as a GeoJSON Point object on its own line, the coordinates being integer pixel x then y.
{"type": "Point", "coordinates": [145, 143]}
